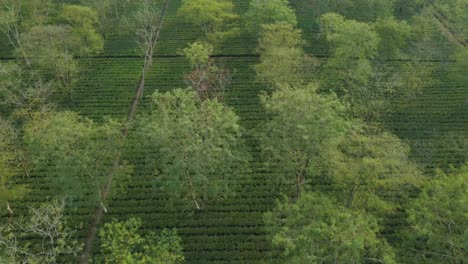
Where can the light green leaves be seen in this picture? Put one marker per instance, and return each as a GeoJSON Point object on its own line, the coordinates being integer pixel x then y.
{"type": "Point", "coordinates": [75, 153]}
{"type": "Point", "coordinates": [262, 12]}
{"type": "Point", "coordinates": [314, 229]}
{"type": "Point", "coordinates": [304, 127]}
{"type": "Point", "coordinates": [122, 243]}
{"type": "Point", "coordinates": [199, 146]}
{"type": "Point", "coordinates": [216, 18]}
{"type": "Point", "coordinates": [282, 59]}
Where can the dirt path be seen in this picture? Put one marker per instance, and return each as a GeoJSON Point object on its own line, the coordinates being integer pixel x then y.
{"type": "Point", "coordinates": [99, 213]}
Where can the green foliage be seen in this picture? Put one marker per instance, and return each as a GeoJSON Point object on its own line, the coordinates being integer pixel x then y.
{"type": "Point", "coordinates": [209, 80]}
{"type": "Point", "coordinates": [75, 154]}
{"type": "Point", "coordinates": [48, 225]}
{"type": "Point", "coordinates": [373, 171]}
{"type": "Point", "coordinates": [353, 45]}
{"type": "Point", "coordinates": [438, 221]}
{"type": "Point", "coordinates": [263, 12]}
{"type": "Point", "coordinates": [199, 146]}
{"type": "Point", "coordinates": [393, 35]}
{"type": "Point", "coordinates": [10, 165]}
{"type": "Point", "coordinates": [47, 48]}
{"type": "Point", "coordinates": [122, 243]}
{"type": "Point", "coordinates": [23, 90]}
{"type": "Point", "coordinates": [83, 21]}
{"type": "Point", "coordinates": [314, 229]}
{"type": "Point", "coordinates": [109, 14]}
{"type": "Point", "coordinates": [282, 59]}
{"type": "Point", "coordinates": [216, 18]}
{"type": "Point", "coordinates": [302, 130]}
{"type": "Point", "coordinates": [198, 53]}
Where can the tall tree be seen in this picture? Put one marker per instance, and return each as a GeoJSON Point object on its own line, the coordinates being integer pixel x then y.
{"type": "Point", "coordinates": [263, 12]}
{"type": "Point", "coordinates": [438, 221]}
{"type": "Point", "coordinates": [393, 35]}
{"type": "Point", "coordinates": [47, 224]}
{"type": "Point", "coordinates": [206, 78]}
{"type": "Point", "coordinates": [314, 229]}
{"type": "Point", "coordinates": [283, 62]}
{"type": "Point", "coordinates": [303, 128]}
{"type": "Point", "coordinates": [75, 153]}
{"type": "Point", "coordinates": [122, 243]}
{"type": "Point", "coordinates": [24, 90]}
{"type": "Point", "coordinates": [216, 18]}
{"type": "Point", "coordinates": [199, 147]}
{"type": "Point", "coordinates": [82, 22]}
{"type": "Point", "coordinates": [49, 49]}
{"type": "Point", "coordinates": [373, 171]}
{"type": "Point", "coordinates": [353, 45]}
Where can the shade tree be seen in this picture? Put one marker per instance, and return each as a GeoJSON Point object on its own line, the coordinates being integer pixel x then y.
{"type": "Point", "coordinates": [437, 222]}
{"type": "Point", "coordinates": [216, 18]}
{"type": "Point", "coordinates": [262, 12]}
{"type": "Point", "coordinates": [283, 62]}
{"type": "Point", "coordinates": [121, 242]}
{"type": "Point", "coordinates": [205, 77]}
{"type": "Point", "coordinates": [48, 225]}
{"type": "Point", "coordinates": [24, 91]}
{"type": "Point", "coordinates": [315, 229]}
{"type": "Point", "coordinates": [199, 149]}
{"type": "Point", "coordinates": [353, 45]}
{"type": "Point", "coordinates": [372, 171]}
{"type": "Point", "coordinates": [75, 154]}
{"type": "Point", "coordinates": [393, 36]}
{"type": "Point", "coordinates": [82, 23]}
{"type": "Point", "coordinates": [303, 128]}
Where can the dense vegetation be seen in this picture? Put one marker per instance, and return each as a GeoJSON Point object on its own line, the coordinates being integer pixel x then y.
{"type": "Point", "coordinates": [247, 131]}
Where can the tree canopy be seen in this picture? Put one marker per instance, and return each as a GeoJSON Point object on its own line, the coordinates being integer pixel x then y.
{"type": "Point", "coordinates": [314, 229]}
{"type": "Point", "coordinates": [263, 12]}
{"type": "Point", "coordinates": [303, 128]}
{"type": "Point", "coordinates": [121, 242]}
{"type": "Point", "coordinates": [199, 145]}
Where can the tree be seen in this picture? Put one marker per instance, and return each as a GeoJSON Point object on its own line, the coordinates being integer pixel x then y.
{"type": "Point", "coordinates": [393, 35]}
{"type": "Point", "coordinates": [75, 153]}
{"type": "Point", "coordinates": [374, 172]}
{"type": "Point", "coordinates": [49, 50]}
{"type": "Point", "coordinates": [282, 60]}
{"type": "Point", "coordinates": [198, 54]}
{"type": "Point", "coordinates": [24, 90]}
{"type": "Point", "coordinates": [122, 243]}
{"type": "Point", "coordinates": [353, 45]}
{"type": "Point", "coordinates": [48, 225]}
{"type": "Point", "coordinates": [438, 222]}
{"type": "Point", "coordinates": [207, 79]}
{"type": "Point", "coordinates": [110, 14]}
{"type": "Point", "coordinates": [146, 24]}
{"type": "Point", "coordinates": [314, 229]}
{"type": "Point", "coordinates": [11, 165]}
{"type": "Point", "coordinates": [82, 21]}
{"type": "Point", "coordinates": [302, 130]}
{"type": "Point", "coordinates": [198, 143]}
{"type": "Point", "coordinates": [216, 18]}
{"type": "Point", "coordinates": [263, 12]}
